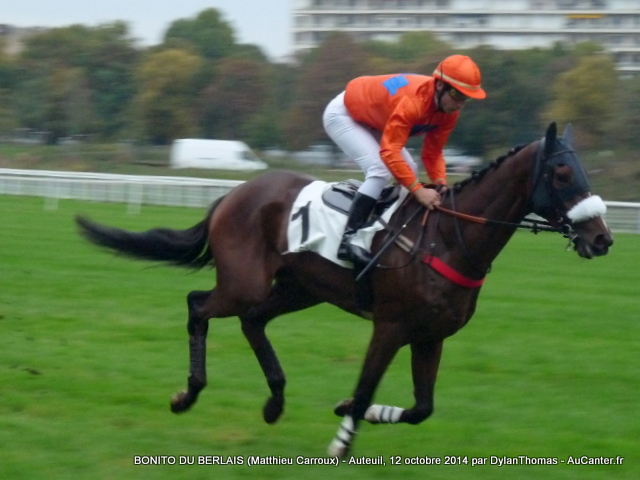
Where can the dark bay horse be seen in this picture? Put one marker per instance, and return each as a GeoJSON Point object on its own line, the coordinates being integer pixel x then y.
{"type": "Point", "coordinates": [429, 295]}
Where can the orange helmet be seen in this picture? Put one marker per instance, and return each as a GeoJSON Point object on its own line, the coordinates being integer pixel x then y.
{"type": "Point", "coordinates": [461, 73]}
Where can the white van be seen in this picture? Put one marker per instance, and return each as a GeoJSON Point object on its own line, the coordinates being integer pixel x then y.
{"type": "Point", "coordinates": [214, 154]}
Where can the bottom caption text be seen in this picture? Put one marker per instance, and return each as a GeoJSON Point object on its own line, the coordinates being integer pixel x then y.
{"type": "Point", "coordinates": [447, 460]}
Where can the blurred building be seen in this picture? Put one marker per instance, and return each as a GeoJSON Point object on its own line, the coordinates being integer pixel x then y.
{"type": "Point", "coordinates": [13, 37]}
{"type": "Point", "coordinates": [501, 24]}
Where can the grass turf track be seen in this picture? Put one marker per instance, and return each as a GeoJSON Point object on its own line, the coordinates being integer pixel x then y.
{"type": "Point", "coordinates": [92, 347]}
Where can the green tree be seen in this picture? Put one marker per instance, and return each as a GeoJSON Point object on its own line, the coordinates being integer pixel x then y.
{"type": "Point", "coordinates": [208, 33]}
{"type": "Point", "coordinates": [164, 105]}
{"type": "Point", "coordinates": [8, 122]}
{"type": "Point", "coordinates": [69, 105]}
{"type": "Point", "coordinates": [411, 53]}
{"type": "Point", "coordinates": [8, 80]}
{"type": "Point", "coordinates": [8, 69]}
{"type": "Point", "coordinates": [106, 58]}
{"type": "Point", "coordinates": [516, 83]}
{"type": "Point", "coordinates": [623, 127]}
{"type": "Point", "coordinates": [235, 99]}
{"type": "Point", "coordinates": [249, 52]}
{"type": "Point", "coordinates": [58, 104]}
{"type": "Point", "coordinates": [337, 60]}
{"type": "Point", "coordinates": [583, 97]}
{"type": "Point", "coordinates": [263, 130]}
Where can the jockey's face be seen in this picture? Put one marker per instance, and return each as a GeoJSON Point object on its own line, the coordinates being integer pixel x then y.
{"type": "Point", "coordinates": [449, 99]}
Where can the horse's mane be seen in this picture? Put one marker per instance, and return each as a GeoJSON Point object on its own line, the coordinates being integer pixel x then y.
{"type": "Point", "coordinates": [477, 175]}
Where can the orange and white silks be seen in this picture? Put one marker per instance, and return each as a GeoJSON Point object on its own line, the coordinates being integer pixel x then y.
{"type": "Point", "coordinates": [401, 106]}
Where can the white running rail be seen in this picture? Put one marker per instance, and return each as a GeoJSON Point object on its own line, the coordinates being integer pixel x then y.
{"type": "Point", "coordinates": [136, 190]}
{"type": "Point", "coordinates": [133, 190]}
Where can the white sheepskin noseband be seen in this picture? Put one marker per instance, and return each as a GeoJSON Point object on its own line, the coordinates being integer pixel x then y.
{"type": "Point", "coordinates": [590, 207]}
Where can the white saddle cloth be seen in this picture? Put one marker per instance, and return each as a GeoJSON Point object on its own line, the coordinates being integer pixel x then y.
{"type": "Point", "coordinates": [314, 227]}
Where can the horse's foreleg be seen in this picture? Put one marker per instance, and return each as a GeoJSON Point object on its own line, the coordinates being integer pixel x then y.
{"type": "Point", "coordinates": [425, 360]}
{"type": "Point", "coordinates": [197, 326]}
{"type": "Point", "coordinates": [385, 343]}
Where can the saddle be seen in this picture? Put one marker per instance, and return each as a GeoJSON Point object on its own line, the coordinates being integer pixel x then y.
{"type": "Point", "coordinates": [340, 197]}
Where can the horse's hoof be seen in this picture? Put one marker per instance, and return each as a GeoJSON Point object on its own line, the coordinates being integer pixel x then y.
{"type": "Point", "coordinates": [181, 402]}
{"type": "Point", "coordinates": [272, 410]}
{"type": "Point", "coordinates": [337, 449]}
{"type": "Point", "coordinates": [344, 407]}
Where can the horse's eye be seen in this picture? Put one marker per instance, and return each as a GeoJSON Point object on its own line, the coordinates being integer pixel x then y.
{"type": "Point", "coordinates": [562, 174]}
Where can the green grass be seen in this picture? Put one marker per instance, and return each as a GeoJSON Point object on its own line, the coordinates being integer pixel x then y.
{"type": "Point", "coordinates": [93, 346]}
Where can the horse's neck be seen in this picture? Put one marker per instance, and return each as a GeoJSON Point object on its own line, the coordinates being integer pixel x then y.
{"type": "Point", "coordinates": [501, 194]}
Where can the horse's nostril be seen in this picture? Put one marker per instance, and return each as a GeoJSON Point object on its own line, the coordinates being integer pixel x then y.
{"type": "Point", "coordinates": [601, 244]}
{"type": "Point", "coordinates": [603, 241]}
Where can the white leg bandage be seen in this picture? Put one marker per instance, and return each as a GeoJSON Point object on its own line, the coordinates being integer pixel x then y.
{"type": "Point", "coordinates": [383, 414]}
{"type": "Point", "coordinates": [340, 444]}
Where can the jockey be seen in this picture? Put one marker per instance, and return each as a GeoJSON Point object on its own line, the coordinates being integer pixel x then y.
{"type": "Point", "coordinates": [372, 120]}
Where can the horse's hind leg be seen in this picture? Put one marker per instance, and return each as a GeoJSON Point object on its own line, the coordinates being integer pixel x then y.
{"type": "Point", "coordinates": [197, 326]}
{"type": "Point", "coordinates": [282, 299]}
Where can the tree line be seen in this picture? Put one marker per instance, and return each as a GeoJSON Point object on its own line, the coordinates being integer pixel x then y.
{"type": "Point", "coordinates": [200, 82]}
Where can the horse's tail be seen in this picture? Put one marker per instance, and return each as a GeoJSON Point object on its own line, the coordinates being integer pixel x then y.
{"type": "Point", "coordinates": [183, 248]}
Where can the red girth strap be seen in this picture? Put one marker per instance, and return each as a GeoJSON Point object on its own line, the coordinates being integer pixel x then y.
{"type": "Point", "coordinates": [451, 274]}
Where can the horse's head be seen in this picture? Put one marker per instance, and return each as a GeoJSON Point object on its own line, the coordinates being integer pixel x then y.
{"type": "Point", "coordinates": [562, 196]}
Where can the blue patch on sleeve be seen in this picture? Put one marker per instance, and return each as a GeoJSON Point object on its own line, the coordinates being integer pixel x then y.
{"type": "Point", "coordinates": [394, 84]}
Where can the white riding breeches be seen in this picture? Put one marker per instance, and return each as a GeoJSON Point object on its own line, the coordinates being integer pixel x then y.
{"type": "Point", "coordinates": [362, 144]}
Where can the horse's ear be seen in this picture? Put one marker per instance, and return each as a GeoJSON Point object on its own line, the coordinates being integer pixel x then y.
{"type": "Point", "coordinates": [567, 134]}
{"type": "Point", "coordinates": [550, 138]}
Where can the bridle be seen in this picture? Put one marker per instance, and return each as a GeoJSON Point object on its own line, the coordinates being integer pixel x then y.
{"type": "Point", "coordinates": [544, 199]}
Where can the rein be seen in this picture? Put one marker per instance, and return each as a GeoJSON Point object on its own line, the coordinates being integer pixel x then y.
{"type": "Point", "coordinates": [535, 225]}
{"type": "Point", "coordinates": [391, 240]}
{"type": "Point", "coordinates": [530, 224]}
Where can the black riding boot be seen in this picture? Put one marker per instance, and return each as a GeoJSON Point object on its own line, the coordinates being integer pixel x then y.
{"type": "Point", "coordinates": [358, 216]}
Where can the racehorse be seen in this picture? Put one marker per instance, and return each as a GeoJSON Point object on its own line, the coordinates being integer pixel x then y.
{"type": "Point", "coordinates": [427, 292]}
